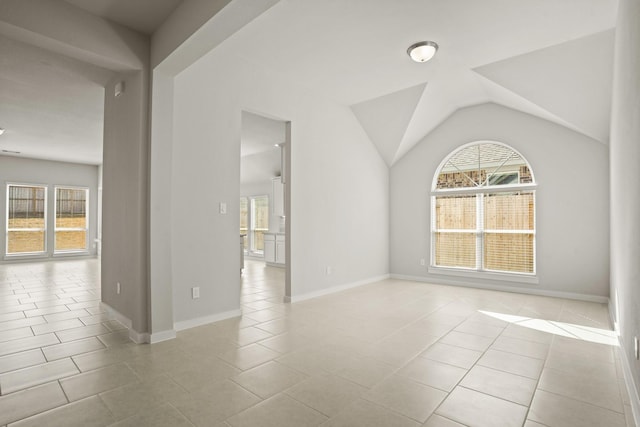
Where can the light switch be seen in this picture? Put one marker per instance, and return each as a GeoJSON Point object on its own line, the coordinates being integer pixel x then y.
{"type": "Point", "coordinates": [223, 208]}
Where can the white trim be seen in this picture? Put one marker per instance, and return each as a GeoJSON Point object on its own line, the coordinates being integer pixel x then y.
{"type": "Point", "coordinates": [507, 188]}
{"type": "Point", "coordinates": [25, 256]}
{"type": "Point", "coordinates": [334, 289]}
{"type": "Point", "coordinates": [135, 336]}
{"type": "Point", "coordinates": [138, 337]}
{"type": "Point", "coordinates": [77, 253]}
{"type": "Point", "coordinates": [513, 289]}
{"type": "Point", "coordinates": [44, 230]}
{"type": "Point", "coordinates": [116, 315]}
{"type": "Point", "coordinates": [485, 274]}
{"type": "Point", "coordinates": [86, 220]}
{"type": "Point", "coordinates": [162, 336]}
{"type": "Point", "coordinates": [205, 320]}
{"type": "Point", "coordinates": [275, 264]}
{"type": "Point", "coordinates": [45, 258]}
{"type": "Point", "coordinates": [630, 383]}
{"type": "Point", "coordinates": [434, 183]}
{"type": "Point", "coordinates": [627, 374]}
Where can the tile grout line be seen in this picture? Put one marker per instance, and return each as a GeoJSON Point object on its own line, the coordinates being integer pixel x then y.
{"type": "Point", "coordinates": [553, 338]}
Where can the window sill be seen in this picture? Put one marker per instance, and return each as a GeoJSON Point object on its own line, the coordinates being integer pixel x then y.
{"type": "Point", "coordinates": [486, 275]}
{"type": "Point", "coordinates": [25, 256]}
{"type": "Point", "coordinates": [70, 253]}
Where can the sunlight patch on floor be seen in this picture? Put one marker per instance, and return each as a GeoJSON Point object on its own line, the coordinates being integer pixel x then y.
{"type": "Point", "coordinates": [580, 332]}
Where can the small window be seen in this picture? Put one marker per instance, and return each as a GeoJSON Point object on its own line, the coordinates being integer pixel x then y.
{"type": "Point", "coordinates": [71, 219]}
{"type": "Point", "coordinates": [244, 222]}
{"type": "Point", "coordinates": [259, 222]}
{"type": "Point", "coordinates": [26, 219]}
{"type": "Point", "coordinates": [504, 178]}
{"type": "Point", "coordinates": [483, 211]}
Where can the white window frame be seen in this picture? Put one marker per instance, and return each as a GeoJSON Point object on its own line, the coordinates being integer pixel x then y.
{"type": "Point", "coordinates": [56, 228]}
{"type": "Point", "coordinates": [251, 224]}
{"type": "Point", "coordinates": [479, 231]}
{"type": "Point", "coordinates": [247, 246]}
{"type": "Point", "coordinates": [44, 229]}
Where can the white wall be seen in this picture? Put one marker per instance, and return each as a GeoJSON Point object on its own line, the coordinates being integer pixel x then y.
{"type": "Point", "coordinates": [260, 167]}
{"type": "Point", "coordinates": [125, 201]}
{"type": "Point", "coordinates": [51, 174]}
{"type": "Point", "coordinates": [339, 185]}
{"type": "Point", "coordinates": [256, 189]}
{"type": "Point", "coordinates": [572, 220]}
{"type": "Point", "coordinates": [160, 157]}
{"type": "Point", "coordinates": [625, 187]}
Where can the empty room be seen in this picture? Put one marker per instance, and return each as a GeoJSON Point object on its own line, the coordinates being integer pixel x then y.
{"type": "Point", "coordinates": [319, 213]}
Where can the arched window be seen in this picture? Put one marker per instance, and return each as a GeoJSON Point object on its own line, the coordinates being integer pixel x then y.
{"type": "Point", "coordinates": [483, 211]}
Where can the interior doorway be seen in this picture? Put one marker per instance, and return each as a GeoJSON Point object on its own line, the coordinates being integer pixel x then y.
{"type": "Point", "coordinates": [265, 195]}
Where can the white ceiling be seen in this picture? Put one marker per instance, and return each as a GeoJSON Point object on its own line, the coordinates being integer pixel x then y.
{"type": "Point", "coordinates": [260, 158]}
{"type": "Point", "coordinates": [549, 58]}
{"type": "Point", "coordinates": [51, 106]}
{"type": "Point", "coordinates": [144, 16]}
{"type": "Point", "coordinates": [260, 134]}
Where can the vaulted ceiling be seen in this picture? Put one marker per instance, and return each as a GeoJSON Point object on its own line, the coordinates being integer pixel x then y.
{"type": "Point", "coordinates": [548, 58]}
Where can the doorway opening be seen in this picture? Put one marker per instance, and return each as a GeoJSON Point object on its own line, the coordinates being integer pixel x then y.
{"type": "Point", "coordinates": [265, 199]}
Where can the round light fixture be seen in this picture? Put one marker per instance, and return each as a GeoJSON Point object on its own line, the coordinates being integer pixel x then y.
{"type": "Point", "coordinates": [422, 51]}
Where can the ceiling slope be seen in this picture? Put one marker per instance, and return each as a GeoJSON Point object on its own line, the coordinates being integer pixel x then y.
{"type": "Point", "coordinates": [143, 16]}
{"type": "Point", "coordinates": [570, 80]}
{"type": "Point", "coordinates": [535, 56]}
{"type": "Point", "coordinates": [385, 119]}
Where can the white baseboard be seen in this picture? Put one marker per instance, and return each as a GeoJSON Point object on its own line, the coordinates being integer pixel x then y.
{"type": "Point", "coordinates": [116, 315]}
{"type": "Point", "coordinates": [334, 289]}
{"type": "Point", "coordinates": [631, 384]}
{"type": "Point", "coordinates": [144, 337]}
{"type": "Point", "coordinates": [135, 336]}
{"type": "Point", "coordinates": [138, 337]}
{"type": "Point", "coordinates": [523, 290]}
{"type": "Point", "coordinates": [156, 337]}
{"type": "Point", "coordinates": [205, 320]}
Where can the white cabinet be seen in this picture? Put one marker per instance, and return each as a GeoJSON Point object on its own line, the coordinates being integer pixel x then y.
{"type": "Point", "coordinates": [274, 249]}
{"type": "Point", "coordinates": [269, 248]}
{"type": "Point", "coordinates": [277, 197]}
{"type": "Point", "coordinates": [280, 254]}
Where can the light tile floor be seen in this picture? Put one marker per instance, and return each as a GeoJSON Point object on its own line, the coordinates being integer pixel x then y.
{"type": "Point", "coordinates": [393, 353]}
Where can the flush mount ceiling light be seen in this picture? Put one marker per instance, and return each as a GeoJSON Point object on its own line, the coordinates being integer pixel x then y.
{"type": "Point", "coordinates": [1, 131]}
{"type": "Point", "coordinates": [422, 51]}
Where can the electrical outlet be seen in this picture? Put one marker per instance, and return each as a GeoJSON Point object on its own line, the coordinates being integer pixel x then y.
{"type": "Point", "coordinates": [195, 293]}
{"type": "Point", "coordinates": [422, 262]}
{"type": "Point", "coordinates": [118, 288]}
{"type": "Point", "coordinates": [637, 348]}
